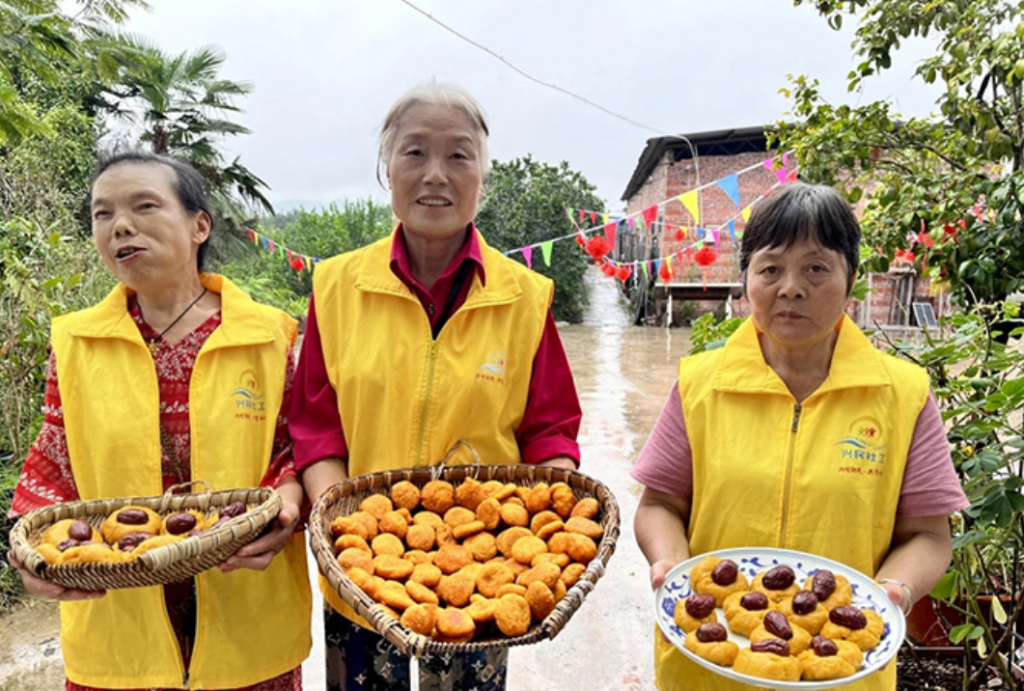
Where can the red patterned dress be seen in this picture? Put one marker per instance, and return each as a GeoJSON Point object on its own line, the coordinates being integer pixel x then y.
{"type": "Point", "coordinates": [46, 478]}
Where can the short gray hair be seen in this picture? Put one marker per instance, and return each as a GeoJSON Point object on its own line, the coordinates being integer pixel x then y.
{"type": "Point", "coordinates": [432, 93]}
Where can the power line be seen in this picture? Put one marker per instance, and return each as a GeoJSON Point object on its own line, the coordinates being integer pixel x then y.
{"type": "Point", "coordinates": [531, 77]}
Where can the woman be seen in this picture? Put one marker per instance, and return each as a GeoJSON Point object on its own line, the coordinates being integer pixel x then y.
{"type": "Point", "coordinates": [419, 342]}
{"type": "Point", "coordinates": [750, 449]}
{"type": "Point", "coordinates": [149, 395]}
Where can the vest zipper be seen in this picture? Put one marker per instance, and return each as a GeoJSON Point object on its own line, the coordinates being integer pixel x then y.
{"type": "Point", "coordinates": [789, 475]}
{"type": "Point", "coordinates": [425, 396]}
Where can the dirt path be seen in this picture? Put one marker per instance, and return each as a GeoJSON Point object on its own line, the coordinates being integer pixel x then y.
{"type": "Point", "coordinates": [623, 375]}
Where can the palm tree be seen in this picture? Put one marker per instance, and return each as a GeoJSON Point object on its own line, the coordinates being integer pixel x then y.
{"type": "Point", "coordinates": [182, 107]}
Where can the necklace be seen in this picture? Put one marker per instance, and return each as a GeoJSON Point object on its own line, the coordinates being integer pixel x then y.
{"type": "Point", "coordinates": [154, 343]}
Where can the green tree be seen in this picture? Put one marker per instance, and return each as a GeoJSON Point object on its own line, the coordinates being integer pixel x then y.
{"type": "Point", "coordinates": [524, 203]}
{"type": "Point", "coordinates": [959, 175]}
{"type": "Point", "coordinates": [40, 43]}
{"type": "Point", "coordinates": [319, 233]}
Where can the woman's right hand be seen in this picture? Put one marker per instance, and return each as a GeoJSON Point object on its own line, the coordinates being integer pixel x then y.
{"type": "Point", "coordinates": [37, 587]}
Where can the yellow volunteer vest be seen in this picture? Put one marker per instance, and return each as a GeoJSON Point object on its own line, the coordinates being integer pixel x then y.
{"type": "Point", "coordinates": [405, 399]}
{"type": "Point", "coordinates": [251, 626]}
{"type": "Point", "coordinates": [823, 476]}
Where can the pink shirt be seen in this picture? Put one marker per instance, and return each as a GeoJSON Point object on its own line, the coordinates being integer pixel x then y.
{"type": "Point", "coordinates": [550, 422]}
{"type": "Point", "coordinates": [930, 485]}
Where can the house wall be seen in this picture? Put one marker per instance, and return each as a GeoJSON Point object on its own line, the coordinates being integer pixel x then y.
{"type": "Point", "coordinates": [672, 178]}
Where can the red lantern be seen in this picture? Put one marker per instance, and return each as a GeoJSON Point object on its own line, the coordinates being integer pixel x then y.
{"type": "Point", "coordinates": [580, 239]}
{"type": "Point", "coordinates": [607, 269]}
{"type": "Point", "coordinates": [623, 273]}
{"type": "Point", "coordinates": [298, 264]}
{"type": "Point", "coordinates": [705, 256]}
{"type": "Point", "coordinates": [680, 235]}
{"type": "Point", "coordinates": [598, 247]}
{"type": "Point", "coordinates": [665, 272]}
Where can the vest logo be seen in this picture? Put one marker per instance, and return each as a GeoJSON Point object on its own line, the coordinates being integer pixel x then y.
{"type": "Point", "coordinates": [249, 394]}
{"type": "Point", "coordinates": [864, 442]}
{"type": "Point", "coordinates": [494, 368]}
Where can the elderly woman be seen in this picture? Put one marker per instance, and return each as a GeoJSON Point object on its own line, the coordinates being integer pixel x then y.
{"type": "Point", "coordinates": [422, 341]}
{"type": "Point", "coordinates": [749, 449]}
{"type": "Point", "coordinates": [147, 398]}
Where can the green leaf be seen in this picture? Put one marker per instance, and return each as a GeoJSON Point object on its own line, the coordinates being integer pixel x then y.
{"type": "Point", "coordinates": [944, 589]}
{"type": "Point", "coordinates": [959, 633]}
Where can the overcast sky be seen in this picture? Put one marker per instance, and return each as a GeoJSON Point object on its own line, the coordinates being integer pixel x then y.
{"type": "Point", "coordinates": [326, 71]}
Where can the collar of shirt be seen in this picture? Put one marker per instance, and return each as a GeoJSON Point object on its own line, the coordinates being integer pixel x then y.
{"type": "Point", "coordinates": [401, 267]}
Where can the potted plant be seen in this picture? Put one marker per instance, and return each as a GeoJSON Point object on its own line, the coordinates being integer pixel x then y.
{"type": "Point", "coordinates": [977, 373]}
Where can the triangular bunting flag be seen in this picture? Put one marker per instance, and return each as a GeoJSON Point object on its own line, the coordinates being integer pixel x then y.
{"type": "Point", "coordinates": [791, 177]}
{"type": "Point", "coordinates": [528, 253]}
{"type": "Point", "coordinates": [252, 235]}
{"type": "Point", "coordinates": [604, 218]}
{"type": "Point", "coordinates": [569, 213]}
{"type": "Point", "coordinates": [545, 250]}
{"type": "Point", "coordinates": [593, 217]}
{"type": "Point", "coordinates": [609, 232]}
{"type": "Point", "coordinates": [309, 263]}
{"type": "Point", "coordinates": [650, 267]}
{"type": "Point", "coordinates": [272, 247]}
{"type": "Point", "coordinates": [650, 215]}
{"type": "Point", "coordinates": [691, 200]}
{"type": "Point", "coordinates": [668, 262]}
{"type": "Point", "coordinates": [715, 234]}
{"type": "Point", "coordinates": [647, 274]}
{"type": "Point", "coordinates": [632, 222]}
{"type": "Point", "coordinates": [732, 231]}
{"type": "Point", "coordinates": [731, 186]}
{"type": "Point", "coordinates": [583, 215]}
{"type": "Point", "coordinates": [780, 175]}
{"type": "Point", "coordinates": [746, 214]}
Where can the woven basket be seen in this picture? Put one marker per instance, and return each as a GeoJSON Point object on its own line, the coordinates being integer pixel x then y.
{"type": "Point", "coordinates": [174, 562]}
{"type": "Point", "coordinates": [343, 499]}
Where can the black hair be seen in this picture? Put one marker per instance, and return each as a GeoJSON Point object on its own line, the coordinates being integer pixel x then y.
{"type": "Point", "coordinates": [798, 212]}
{"type": "Point", "coordinates": [189, 185]}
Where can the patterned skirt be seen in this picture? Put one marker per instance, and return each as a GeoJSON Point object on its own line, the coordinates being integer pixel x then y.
{"type": "Point", "coordinates": [360, 660]}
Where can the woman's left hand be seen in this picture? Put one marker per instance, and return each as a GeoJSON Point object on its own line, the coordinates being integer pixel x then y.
{"type": "Point", "coordinates": [258, 554]}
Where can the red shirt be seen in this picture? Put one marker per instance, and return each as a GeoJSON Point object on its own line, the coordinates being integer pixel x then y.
{"type": "Point", "coordinates": [550, 422]}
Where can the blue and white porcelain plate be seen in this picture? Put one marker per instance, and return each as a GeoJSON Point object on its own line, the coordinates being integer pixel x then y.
{"type": "Point", "coordinates": [754, 560]}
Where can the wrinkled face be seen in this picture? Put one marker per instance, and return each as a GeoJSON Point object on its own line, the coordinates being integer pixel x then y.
{"type": "Point", "coordinates": [797, 295]}
{"type": "Point", "coordinates": [435, 171]}
{"type": "Point", "coordinates": [143, 233]}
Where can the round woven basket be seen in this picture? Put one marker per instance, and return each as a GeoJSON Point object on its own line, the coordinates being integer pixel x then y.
{"type": "Point", "coordinates": [343, 499]}
{"type": "Point", "coordinates": [174, 562]}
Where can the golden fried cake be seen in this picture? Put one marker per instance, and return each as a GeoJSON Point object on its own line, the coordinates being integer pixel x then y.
{"type": "Point", "coordinates": [775, 625]}
{"type": "Point", "coordinates": [827, 659]}
{"type": "Point", "coordinates": [717, 577]}
{"type": "Point", "coordinates": [833, 590]}
{"type": "Point", "coordinates": [130, 519]}
{"type": "Point", "coordinates": [804, 610]}
{"type": "Point", "coordinates": [862, 627]}
{"type": "Point", "coordinates": [768, 660]}
{"type": "Point", "coordinates": [744, 612]}
{"type": "Point", "coordinates": [711, 642]}
{"type": "Point", "coordinates": [692, 611]}
{"type": "Point", "coordinates": [778, 583]}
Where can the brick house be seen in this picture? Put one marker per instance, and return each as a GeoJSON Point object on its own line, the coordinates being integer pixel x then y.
{"type": "Point", "coordinates": [668, 168]}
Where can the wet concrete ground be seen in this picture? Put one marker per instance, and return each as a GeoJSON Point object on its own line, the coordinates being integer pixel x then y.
{"type": "Point", "coordinates": [623, 375]}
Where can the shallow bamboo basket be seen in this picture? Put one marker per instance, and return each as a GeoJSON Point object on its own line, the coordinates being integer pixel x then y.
{"type": "Point", "coordinates": [343, 499]}
{"type": "Point", "coordinates": [174, 562]}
